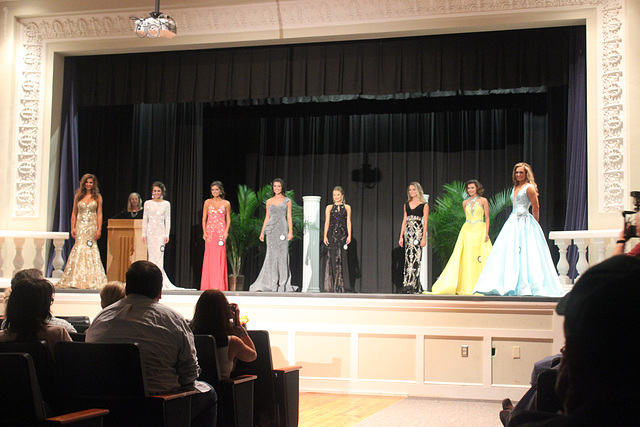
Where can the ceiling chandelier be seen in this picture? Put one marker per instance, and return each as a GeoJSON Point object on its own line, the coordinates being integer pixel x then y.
{"type": "Point", "coordinates": [157, 24]}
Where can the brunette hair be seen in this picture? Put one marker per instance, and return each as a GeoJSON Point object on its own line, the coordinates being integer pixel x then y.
{"type": "Point", "coordinates": [281, 181]}
{"type": "Point", "coordinates": [212, 316]}
{"type": "Point", "coordinates": [220, 186]}
{"type": "Point", "coordinates": [29, 308]}
{"type": "Point", "coordinates": [81, 191]}
{"type": "Point", "coordinates": [161, 187]}
{"type": "Point", "coordinates": [478, 184]}
{"type": "Point", "coordinates": [528, 175]}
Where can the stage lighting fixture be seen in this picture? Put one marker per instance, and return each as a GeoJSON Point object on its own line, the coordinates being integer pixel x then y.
{"type": "Point", "coordinates": [157, 24]}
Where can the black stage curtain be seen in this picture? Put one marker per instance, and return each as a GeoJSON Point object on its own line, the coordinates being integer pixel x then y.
{"type": "Point", "coordinates": [265, 123]}
{"type": "Point", "coordinates": [456, 62]}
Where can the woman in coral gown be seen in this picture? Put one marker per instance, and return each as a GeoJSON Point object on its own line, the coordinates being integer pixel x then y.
{"type": "Point", "coordinates": [472, 248]}
{"type": "Point", "coordinates": [156, 225]}
{"type": "Point", "coordinates": [520, 262]}
{"type": "Point", "coordinates": [84, 269]}
{"type": "Point", "coordinates": [216, 220]}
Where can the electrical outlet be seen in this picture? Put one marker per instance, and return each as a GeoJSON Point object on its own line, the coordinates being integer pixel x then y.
{"type": "Point", "coordinates": [464, 351]}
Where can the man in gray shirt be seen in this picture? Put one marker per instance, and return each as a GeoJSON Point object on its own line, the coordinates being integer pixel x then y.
{"type": "Point", "coordinates": [163, 335]}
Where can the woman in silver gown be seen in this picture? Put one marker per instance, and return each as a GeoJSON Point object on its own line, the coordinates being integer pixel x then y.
{"type": "Point", "coordinates": [275, 275]}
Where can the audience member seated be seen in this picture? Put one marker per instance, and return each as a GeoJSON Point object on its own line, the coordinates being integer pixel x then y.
{"type": "Point", "coordinates": [111, 292]}
{"type": "Point", "coordinates": [597, 377]}
{"type": "Point", "coordinates": [34, 273]}
{"type": "Point", "coordinates": [528, 401]}
{"type": "Point", "coordinates": [166, 342]}
{"type": "Point", "coordinates": [28, 314]}
{"type": "Point", "coordinates": [214, 316]}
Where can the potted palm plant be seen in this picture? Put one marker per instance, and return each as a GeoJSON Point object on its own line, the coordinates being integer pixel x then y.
{"type": "Point", "coordinates": [244, 233]}
{"type": "Point", "coordinates": [447, 217]}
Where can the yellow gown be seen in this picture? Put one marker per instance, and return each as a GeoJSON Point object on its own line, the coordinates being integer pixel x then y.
{"type": "Point", "coordinates": [463, 269]}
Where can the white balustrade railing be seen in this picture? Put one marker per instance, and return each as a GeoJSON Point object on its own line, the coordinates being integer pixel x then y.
{"type": "Point", "coordinates": [39, 239]}
{"type": "Point", "coordinates": [600, 239]}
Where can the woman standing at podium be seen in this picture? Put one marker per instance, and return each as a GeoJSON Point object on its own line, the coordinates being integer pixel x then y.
{"type": "Point", "coordinates": [216, 219]}
{"type": "Point", "coordinates": [84, 268]}
{"type": "Point", "coordinates": [156, 225]}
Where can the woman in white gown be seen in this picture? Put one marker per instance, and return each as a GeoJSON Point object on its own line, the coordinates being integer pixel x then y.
{"type": "Point", "coordinates": [156, 225]}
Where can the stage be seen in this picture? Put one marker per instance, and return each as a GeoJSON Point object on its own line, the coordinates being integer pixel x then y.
{"type": "Point", "coordinates": [389, 343]}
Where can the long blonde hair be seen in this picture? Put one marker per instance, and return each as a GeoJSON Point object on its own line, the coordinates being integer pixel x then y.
{"type": "Point", "coordinates": [421, 195]}
{"type": "Point", "coordinates": [528, 175]}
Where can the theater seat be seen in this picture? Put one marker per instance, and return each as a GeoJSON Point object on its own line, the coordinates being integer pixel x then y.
{"type": "Point", "coordinates": [111, 376]}
{"type": "Point", "coordinates": [235, 394]}
{"type": "Point", "coordinates": [276, 390]}
{"type": "Point", "coordinates": [21, 402]}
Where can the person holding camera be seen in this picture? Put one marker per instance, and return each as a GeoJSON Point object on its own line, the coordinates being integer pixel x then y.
{"type": "Point", "coordinates": [215, 316]}
{"type": "Point", "coordinates": [626, 233]}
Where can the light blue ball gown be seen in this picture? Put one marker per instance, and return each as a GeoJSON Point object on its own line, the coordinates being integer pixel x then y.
{"type": "Point", "coordinates": [520, 262]}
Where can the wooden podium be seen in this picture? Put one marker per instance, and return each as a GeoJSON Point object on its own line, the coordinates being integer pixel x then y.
{"type": "Point", "coordinates": [124, 246]}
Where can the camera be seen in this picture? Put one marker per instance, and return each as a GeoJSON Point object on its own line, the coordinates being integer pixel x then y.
{"type": "Point", "coordinates": [630, 217]}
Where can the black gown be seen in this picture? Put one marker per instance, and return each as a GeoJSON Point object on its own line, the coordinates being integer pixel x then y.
{"type": "Point", "coordinates": [412, 249]}
{"type": "Point", "coordinates": [336, 267]}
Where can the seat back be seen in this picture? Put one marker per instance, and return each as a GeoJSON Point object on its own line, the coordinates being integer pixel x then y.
{"type": "Point", "coordinates": [266, 406]}
{"type": "Point", "coordinates": [77, 336]}
{"type": "Point", "coordinates": [20, 399]}
{"type": "Point", "coordinates": [206, 349]}
{"type": "Point", "coordinates": [42, 361]}
{"type": "Point", "coordinates": [100, 370]}
{"type": "Point", "coordinates": [81, 323]}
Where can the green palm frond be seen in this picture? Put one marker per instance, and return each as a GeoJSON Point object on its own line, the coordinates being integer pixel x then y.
{"type": "Point", "coordinates": [446, 219]}
{"type": "Point", "coordinates": [497, 204]}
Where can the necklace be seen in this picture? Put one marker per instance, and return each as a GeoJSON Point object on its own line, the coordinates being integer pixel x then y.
{"type": "Point", "coordinates": [472, 204]}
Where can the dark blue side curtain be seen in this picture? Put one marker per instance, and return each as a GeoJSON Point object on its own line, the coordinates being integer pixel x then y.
{"type": "Point", "coordinates": [576, 216]}
{"type": "Point", "coordinates": [68, 177]}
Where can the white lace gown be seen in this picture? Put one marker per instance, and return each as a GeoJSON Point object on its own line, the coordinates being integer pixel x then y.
{"type": "Point", "coordinates": [156, 225]}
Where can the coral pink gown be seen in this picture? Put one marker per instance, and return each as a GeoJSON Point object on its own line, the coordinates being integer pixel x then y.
{"type": "Point", "coordinates": [214, 264]}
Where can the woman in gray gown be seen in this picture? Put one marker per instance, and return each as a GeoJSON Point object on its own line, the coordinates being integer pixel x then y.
{"type": "Point", "coordinates": [275, 275]}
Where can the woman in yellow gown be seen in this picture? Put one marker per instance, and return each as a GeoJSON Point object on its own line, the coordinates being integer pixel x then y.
{"type": "Point", "coordinates": [472, 248]}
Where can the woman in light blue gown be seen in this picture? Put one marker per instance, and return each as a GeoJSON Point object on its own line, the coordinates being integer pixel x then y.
{"type": "Point", "coordinates": [520, 262]}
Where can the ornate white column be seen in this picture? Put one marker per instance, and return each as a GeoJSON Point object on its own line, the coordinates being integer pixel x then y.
{"type": "Point", "coordinates": [311, 244]}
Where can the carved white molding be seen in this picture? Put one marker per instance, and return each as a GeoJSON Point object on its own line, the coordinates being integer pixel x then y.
{"type": "Point", "coordinates": [290, 15]}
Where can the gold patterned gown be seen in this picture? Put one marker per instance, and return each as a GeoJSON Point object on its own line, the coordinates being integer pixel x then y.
{"type": "Point", "coordinates": [463, 269]}
{"type": "Point", "coordinates": [84, 268]}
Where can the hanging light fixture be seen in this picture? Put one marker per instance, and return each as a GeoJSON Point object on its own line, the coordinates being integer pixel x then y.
{"type": "Point", "coordinates": [157, 24]}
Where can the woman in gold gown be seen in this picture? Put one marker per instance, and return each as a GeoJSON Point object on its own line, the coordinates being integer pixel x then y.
{"type": "Point", "coordinates": [84, 268]}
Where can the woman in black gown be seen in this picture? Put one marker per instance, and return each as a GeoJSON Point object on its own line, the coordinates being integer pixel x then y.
{"type": "Point", "coordinates": [337, 236]}
{"type": "Point", "coordinates": [413, 236]}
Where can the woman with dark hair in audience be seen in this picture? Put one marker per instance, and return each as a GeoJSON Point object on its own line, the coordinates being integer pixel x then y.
{"type": "Point", "coordinates": [84, 269]}
{"type": "Point", "coordinates": [28, 313]}
{"type": "Point", "coordinates": [215, 316]}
